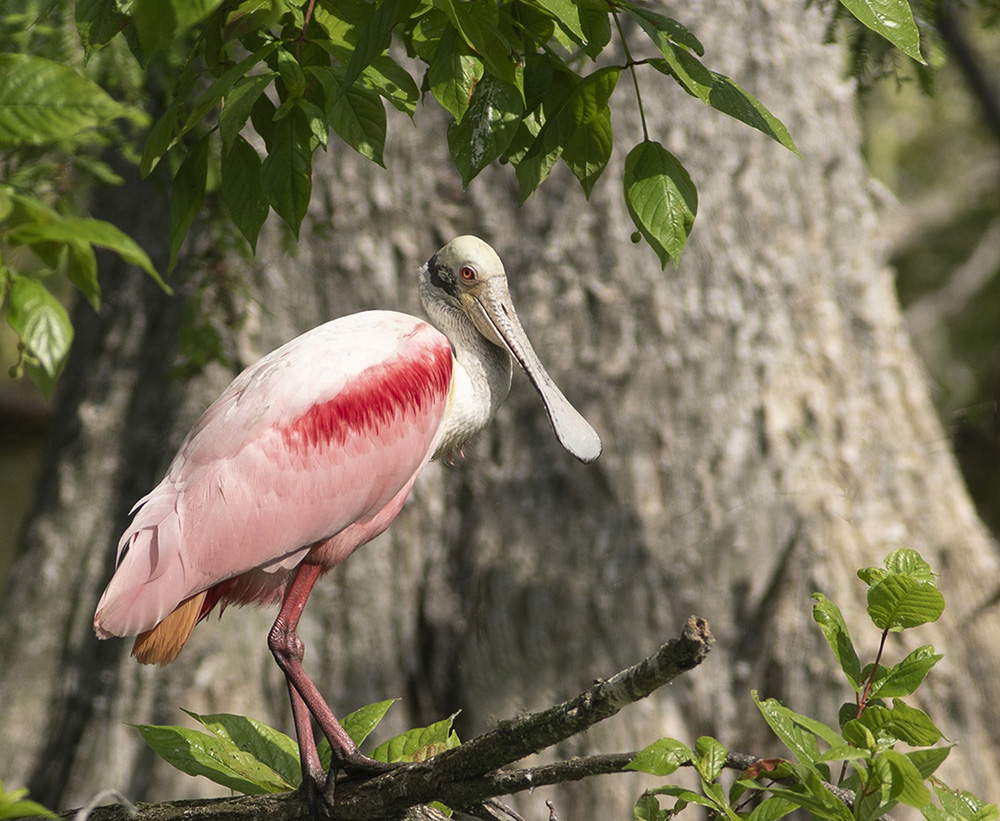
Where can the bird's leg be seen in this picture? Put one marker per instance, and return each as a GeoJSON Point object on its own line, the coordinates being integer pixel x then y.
{"type": "Point", "coordinates": [313, 774]}
{"type": "Point", "coordinates": [288, 651]}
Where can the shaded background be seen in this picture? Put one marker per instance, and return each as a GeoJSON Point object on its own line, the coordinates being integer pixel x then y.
{"type": "Point", "coordinates": [768, 430]}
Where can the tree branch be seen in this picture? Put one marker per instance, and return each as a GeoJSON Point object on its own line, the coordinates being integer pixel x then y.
{"type": "Point", "coordinates": [466, 778]}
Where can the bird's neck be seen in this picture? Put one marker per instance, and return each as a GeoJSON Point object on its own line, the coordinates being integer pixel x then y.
{"type": "Point", "coordinates": [480, 380]}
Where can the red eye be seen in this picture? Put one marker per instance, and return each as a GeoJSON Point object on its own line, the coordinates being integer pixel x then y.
{"type": "Point", "coordinates": [468, 274]}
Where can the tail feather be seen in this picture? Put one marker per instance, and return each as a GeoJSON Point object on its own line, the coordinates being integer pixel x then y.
{"type": "Point", "coordinates": [163, 643]}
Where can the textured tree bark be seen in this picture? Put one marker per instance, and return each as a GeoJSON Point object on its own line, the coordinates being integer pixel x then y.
{"type": "Point", "coordinates": [767, 431]}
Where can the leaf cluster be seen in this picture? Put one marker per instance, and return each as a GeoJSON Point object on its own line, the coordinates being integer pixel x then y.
{"type": "Point", "coordinates": [875, 774]}
{"type": "Point", "coordinates": [250, 757]}
{"type": "Point", "coordinates": [255, 88]}
{"type": "Point", "coordinates": [54, 120]}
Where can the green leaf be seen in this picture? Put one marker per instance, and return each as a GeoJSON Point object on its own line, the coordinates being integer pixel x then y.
{"type": "Point", "coordinates": [908, 561]}
{"type": "Point", "coordinates": [376, 35]}
{"type": "Point", "coordinates": [81, 270]}
{"type": "Point", "coordinates": [97, 22]}
{"type": "Point", "coordinates": [661, 199]}
{"type": "Point", "coordinates": [900, 601]}
{"type": "Point", "coordinates": [233, 76]}
{"type": "Point", "coordinates": [268, 746]}
{"type": "Point", "coordinates": [14, 804]}
{"type": "Point", "coordinates": [159, 22]}
{"type": "Point", "coordinates": [362, 721]}
{"type": "Point", "coordinates": [489, 125]}
{"type": "Point", "coordinates": [727, 97]}
{"type": "Point", "coordinates": [583, 107]}
{"type": "Point", "coordinates": [41, 323]}
{"type": "Point", "coordinates": [453, 73]}
{"type": "Point", "coordinates": [394, 83]}
{"type": "Point", "coordinates": [710, 757]}
{"type": "Point", "coordinates": [218, 759]}
{"type": "Point", "coordinates": [811, 794]}
{"type": "Point", "coordinates": [292, 77]}
{"type": "Point", "coordinates": [596, 23]}
{"type": "Point", "coordinates": [901, 779]}
{"type": "Point", "coordinates": [356, 113]}
{"type": "Point", "coordinates": [686, 796]}
{"type": "Point", "coordinates": [95, 232]}
{"type": "Point", "coordinates": [478, 23]}
{"type": "Point", "coordinates": [188, 195]}
{"type": "Point", "coordinates": [902, 722]}
{"type": "Point", "coordinates": [786, 724]}
{"type": "Point", "coordinates": [286, 173]}
{"type": "Point", "coordinates": [566, 13]}
{"type": "Point", "coordinates": [662, 757]}
{"type": "Point", "coordinates": [771, 809]}
{"type": "Point", "coordinates": [666, 26]}
{"type": "Point", "coordinates": [239, 102]}
{"type": "Point", "coordinates": [160, 138]}
{"type": "Point", "coordinates": [831, 621]}
{"type": "Point", "coordinates": [962, 804]}
{"type": "Point", "coordinates": [906, 676]}
{"type": "Point", "coordinates": [588, 150]}
{"type": "Point", "coordinates": [893, 19]}
{"type": "Point", "coordinates": [927, 761]}
{"type": "Point", "coordinates": [857, 733]}
{"type": "Point", "coordinates": [419, 743]}
{"type": "Point", "coordinates": [42, 101]}
{"type": "Point", "coordinates": [673, 41]}
{"type": "Point", "coordinates": [241, 189]}
{"type": "Point", "coordinates": [647, 808]}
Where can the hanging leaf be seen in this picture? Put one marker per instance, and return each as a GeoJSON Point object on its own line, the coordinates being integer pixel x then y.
{"type": "Point", "coordinates": [487, 127]}
{"type": "Point", "coordinates": [42, 326]}
{"type": "Point", "coordinates": [356, 113]}
{"type": "Point", "coordinates": [188, 195]}
{"type": "Point", "coordinates": [376, 35]}
{"type": "Point", "coordinates": [453, 73]}
{"type": "Point", "coordinates": [242, 190]}
{"type": "Point", "coordinates": [661, 199]}
{"type": "Point", "coordinates": [893, 19]}
{"type": "Point", "coordinates": [286, 172]}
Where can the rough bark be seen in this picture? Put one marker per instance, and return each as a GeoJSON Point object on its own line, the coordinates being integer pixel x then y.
{"type": "Point", "coordinates": [767, 431]}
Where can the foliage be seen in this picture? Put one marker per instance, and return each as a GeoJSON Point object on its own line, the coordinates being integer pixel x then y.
{"type": "Point", "coordinates": [874, 775]}
{"type": "Point", "coordinates": [247, 756]}
{"type": "Point", "coordinates": [14, 804]}
{"type": "Point", "coordinates": [525, 82]}
{"type": "Point", "coordinates": [870, 729]}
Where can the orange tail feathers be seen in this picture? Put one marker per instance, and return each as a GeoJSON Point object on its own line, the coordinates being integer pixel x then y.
{"type": "Point", "coordinates": [163, 643]}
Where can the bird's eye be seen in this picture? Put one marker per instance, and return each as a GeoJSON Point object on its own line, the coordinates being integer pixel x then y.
{"type": "Point", "coordinates": [468, 274]}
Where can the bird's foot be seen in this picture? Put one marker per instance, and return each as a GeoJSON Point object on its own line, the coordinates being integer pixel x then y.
{"type": "Point", "coordinates": [318, 795]}
{"type": "Point", "coordinates": [357, 765]}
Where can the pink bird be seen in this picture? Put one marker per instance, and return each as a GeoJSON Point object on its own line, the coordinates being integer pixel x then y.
{"type": "Point", "coordinates": [309, 454]}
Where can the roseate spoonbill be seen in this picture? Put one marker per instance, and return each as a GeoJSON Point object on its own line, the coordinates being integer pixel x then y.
{"type": "Point", "coordinates": [308, 455]}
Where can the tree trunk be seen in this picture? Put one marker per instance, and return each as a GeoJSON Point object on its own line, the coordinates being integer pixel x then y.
{"type": "Point", "coordinates": [767, 432]}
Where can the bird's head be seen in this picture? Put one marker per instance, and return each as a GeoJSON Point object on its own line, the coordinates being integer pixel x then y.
{"type": "Point", "coordinates": [467, 275]}
{"type": "Point", "coordinates": [466, 279]}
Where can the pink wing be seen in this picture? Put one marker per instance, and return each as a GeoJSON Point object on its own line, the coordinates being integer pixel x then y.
{"type": "Point", "coordinates": [324, 436]}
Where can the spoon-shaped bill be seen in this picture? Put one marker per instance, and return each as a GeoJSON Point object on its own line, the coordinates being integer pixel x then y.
{"type": "Point", "coordinates": [502, 325]}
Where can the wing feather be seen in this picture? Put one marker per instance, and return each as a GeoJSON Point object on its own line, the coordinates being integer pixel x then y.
{"type": "Point", "coordinates": [324, 433]}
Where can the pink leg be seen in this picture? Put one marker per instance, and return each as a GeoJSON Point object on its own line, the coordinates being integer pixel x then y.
{"type": "Point", "coordinates": [288, 651]}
